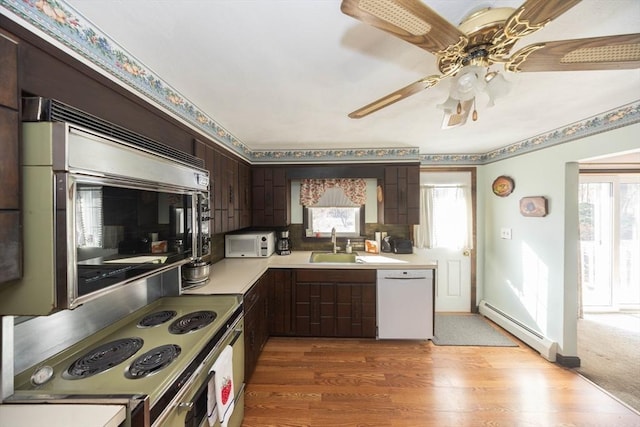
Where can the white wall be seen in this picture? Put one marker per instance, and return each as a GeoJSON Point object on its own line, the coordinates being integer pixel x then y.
{"type": "Point", "coordinates": [534, 276]}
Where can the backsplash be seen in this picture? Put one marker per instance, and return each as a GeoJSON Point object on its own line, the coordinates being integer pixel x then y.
{"type": "Point", "coordinates": [298, 243]}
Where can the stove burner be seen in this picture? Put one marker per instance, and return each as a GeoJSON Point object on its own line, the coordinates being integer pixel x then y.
{"type": "Point", "coordinates": [157, 318]}
{"type": "Point", "coordinates": [192, 322]}
{"type": "Point", "coordinates": [152, 361]}
{"type": "Point", "coordinates": [103, 357]}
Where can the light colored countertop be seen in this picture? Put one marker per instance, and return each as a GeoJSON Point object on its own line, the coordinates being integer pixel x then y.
{"type": "Point", "coordinates": [236, 275]}
{"type": "Point", "coordinates": [61, 415]}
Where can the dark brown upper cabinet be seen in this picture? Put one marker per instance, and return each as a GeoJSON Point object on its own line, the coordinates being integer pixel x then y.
{"type": "Point", "coordinates": [400, 198]}
{"type": "Point", "coordinates": [271, 197]}
{"type": "Point", "coordinates": [10, 235]}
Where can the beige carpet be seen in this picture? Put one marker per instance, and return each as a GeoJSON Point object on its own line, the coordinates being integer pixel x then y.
{"type": "Point", "coordinates": [609, 351]}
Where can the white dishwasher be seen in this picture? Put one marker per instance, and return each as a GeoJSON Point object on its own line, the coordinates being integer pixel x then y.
{"type": "Point", "coordinates": [405, 304]}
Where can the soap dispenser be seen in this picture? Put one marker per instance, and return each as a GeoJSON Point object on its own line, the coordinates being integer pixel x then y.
{"type": "Point", "coordinates": [348, 247]}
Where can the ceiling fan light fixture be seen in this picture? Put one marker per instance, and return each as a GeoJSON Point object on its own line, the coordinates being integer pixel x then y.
{"type": "Point", "coordinates": [497, 87]}
{"type": "Point", "coordinates": [467, 83]}
{"type": "Point", "coordinates": [449, 106]}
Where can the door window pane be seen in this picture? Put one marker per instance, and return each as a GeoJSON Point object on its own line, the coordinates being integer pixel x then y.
{"type": "Point", "coordinates": [629, 251]}
{"type": "Point", "coordinates": [595, 209]}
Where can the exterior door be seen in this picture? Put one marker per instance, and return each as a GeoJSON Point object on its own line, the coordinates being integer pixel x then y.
{"type": "Point", "coordinates": [447, 206]}
{"type": "Point", "coordinates": [609, 209]}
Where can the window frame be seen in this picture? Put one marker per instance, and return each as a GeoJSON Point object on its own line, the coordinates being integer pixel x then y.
{"type": "Point", "coordinates": [306, 225]}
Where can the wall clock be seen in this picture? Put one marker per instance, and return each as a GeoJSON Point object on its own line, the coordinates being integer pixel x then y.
{"type": "Point", "coordinates": [502, 186]}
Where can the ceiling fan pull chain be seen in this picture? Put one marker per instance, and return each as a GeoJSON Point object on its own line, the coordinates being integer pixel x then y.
{"type": "Point", "coordinates": [474, 116]}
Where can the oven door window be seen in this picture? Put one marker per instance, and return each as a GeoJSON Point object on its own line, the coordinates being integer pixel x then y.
{"type": "Point", "coordinates": [122, 232]}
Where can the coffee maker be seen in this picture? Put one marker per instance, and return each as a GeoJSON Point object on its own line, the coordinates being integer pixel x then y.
{"type": "Point", "coordinates": [283, 245]}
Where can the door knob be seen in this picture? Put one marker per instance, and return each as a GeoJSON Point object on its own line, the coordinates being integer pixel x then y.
{"type": "Point", "coordinates": [466, 252]}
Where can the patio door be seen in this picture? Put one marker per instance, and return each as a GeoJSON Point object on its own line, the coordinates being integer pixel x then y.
{"type": "Point", "coordinates": [609, 209]}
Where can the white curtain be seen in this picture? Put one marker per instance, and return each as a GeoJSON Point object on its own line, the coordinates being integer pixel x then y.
{"type": "Point", "coordinates": [89, 217]}
{"type": "Point", "coordinates": [445, 218]}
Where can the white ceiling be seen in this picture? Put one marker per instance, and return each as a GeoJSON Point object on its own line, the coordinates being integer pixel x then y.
{"type": "Point", "coordinates": [284, 74]}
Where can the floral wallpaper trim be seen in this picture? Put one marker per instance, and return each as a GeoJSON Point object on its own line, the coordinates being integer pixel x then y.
{"type": "Point", "coordinates": [64, 24]}
{"type": "Point", "coordinates": [619, 117]}
{"type": "Point", "coordinates": [309, 156]}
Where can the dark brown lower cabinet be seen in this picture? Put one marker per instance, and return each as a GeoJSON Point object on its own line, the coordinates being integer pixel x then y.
{"type": "Point", "coordinates": [281, 292]}
{"type": "Point", "coordinates": [256, 326]}
{"type": "Point", "coordinates": [335, 303]}
{"type": "Point", "coordinates": [308, 303]}
{"type": "Point", "coordinates": [356, 310]}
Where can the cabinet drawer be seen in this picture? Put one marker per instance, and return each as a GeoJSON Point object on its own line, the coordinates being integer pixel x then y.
{"type": "Point", "coordinates": [250, 298]}
{"type": "Point", "coordinates": [335, 275]}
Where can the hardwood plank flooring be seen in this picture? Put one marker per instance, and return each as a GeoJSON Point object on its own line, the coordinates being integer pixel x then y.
{"type": "Point", "coordinates": [347, 382]}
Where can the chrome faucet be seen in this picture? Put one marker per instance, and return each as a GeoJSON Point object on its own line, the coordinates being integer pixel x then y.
{"type": "Point", "coordinates": [333, 239]}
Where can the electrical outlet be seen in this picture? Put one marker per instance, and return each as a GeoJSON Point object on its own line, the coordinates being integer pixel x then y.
{"type": "Point", "coordinates": [505, 233]}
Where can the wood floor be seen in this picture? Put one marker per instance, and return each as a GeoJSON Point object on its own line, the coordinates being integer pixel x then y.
{"type": "Point", "coordinates": [340, 382]}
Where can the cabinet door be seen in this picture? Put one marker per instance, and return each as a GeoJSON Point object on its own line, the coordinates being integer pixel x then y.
{"type": "Point", "coordinates": [230, 193]}
{"type": "Point", "coordinates": [244, 195]}
{"type": "Point", "coordinates": [10, 235]}
{"type": "Point", "coordinates": [250, 342]}
{"type": "Point", "coordinates": [402, 195]}
{"type": "Point", "coordinates": [281, 198]}
{"type": "Point", "coordinates": [315, 309]}
{"type": "Point", "coordinates": [256, 323]}
{"type": "Point", "coordinates": [270, 197]}
{"type": "Point", "coordinates": [258, 196]}
{"type": "Point", "coordinates": [281, 302]}
{"type": "Point", "coordinates": [413, 195]}
{"type": "Point", "coordinates": [356, 310]}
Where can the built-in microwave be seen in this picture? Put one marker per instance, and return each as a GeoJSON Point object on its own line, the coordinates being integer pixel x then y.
{"type": "Point", "coordinates": [99, 213]}
{"type": "Point", "coordinates": [255, 244]}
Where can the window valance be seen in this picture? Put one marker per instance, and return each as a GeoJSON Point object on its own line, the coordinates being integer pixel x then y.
{"type": "Point", "coordinates": [311, 190]}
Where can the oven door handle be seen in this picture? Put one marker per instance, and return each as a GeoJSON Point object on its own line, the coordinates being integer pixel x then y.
{"type": "Point", "coordinates": [237, 333]}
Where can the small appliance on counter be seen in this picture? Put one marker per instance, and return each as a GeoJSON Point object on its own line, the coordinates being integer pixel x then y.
{"type": "Point", "coordinates": [283, 246]}
{"type": "Point", "coordinates": [401, 246]}
{"type": "Point", "coordinates": [396, 245]}
{"type": "Point", "coordinates": [249, 244]}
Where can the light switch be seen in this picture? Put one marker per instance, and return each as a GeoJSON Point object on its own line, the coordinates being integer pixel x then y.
{"type": "Point", "coordinates": [505, 233]}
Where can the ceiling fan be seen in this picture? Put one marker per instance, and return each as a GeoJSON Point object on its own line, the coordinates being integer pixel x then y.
{"type": "Point", "coordinates": [486, 37]}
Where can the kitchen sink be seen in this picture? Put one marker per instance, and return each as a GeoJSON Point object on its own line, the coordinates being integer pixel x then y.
{"type": "Point", "coordinates": [331, 257]}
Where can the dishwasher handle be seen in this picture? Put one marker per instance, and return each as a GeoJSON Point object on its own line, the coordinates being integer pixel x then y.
{"type": "Point", "coordinates": [405, 278]}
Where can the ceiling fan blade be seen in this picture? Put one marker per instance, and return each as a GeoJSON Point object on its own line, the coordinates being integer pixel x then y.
{"type": "Point", "coordinates": [530, 17]}
{"type": "Point", "coordinates": [453, 119]}
{"type": "Point", "coordinates": [409, 20]}
{"type": "Point", "coordinates": [535, 14]}
{"type": "Point", "coordinates": [595, 53]}
{"type": "Point", "coordinates": [396, 96]}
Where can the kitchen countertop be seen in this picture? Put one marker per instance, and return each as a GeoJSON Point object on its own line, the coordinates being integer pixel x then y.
{"type": "Point", "coordinates": [236, 275]}
{"type": "Point", "coordinates": [228, 276]}
{"type": "Point", "coordinates": [61, 415]}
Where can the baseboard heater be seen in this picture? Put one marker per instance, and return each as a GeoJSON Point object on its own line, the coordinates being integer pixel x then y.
{"type": "Point", "coordinates": [532, 338]}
